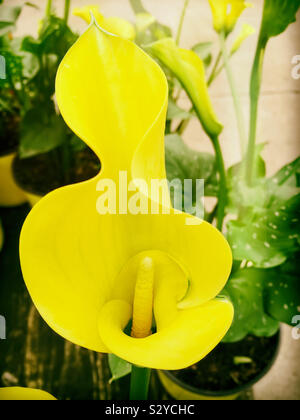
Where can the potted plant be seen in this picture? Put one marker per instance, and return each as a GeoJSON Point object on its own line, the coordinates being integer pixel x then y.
{"type": "Point", "coordinates": [258, 215]}
{"type": "Point", "coordinates": [100, 294]}
{"type": "Point", "coordinates": [112, 311]}
{"type": "Point", "coordinates": [49, 155]}
{"type": "Point", "coordinates": [10, 194]}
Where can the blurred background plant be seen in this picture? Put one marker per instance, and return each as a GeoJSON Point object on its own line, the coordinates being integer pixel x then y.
{"type": "Point", "coordinates": [257, 213]}
{"type": "Point", "coordinates": [47, 149]}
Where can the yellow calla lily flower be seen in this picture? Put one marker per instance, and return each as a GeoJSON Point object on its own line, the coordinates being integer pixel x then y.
{"type": "Point", "coordinates": [88, 273]}
{"type": "Point", "coordinates": [226, 13]}
{"type": "Point", "coordinates": [24, 394]}
{"type": "Point", "coordinates": [115, 25]}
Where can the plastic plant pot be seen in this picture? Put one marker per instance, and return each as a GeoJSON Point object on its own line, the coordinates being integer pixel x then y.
{"type": "Point", "coordinates": [180, 390]}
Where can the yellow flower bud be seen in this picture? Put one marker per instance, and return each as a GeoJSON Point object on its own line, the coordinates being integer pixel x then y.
{"type": "Point", "coordinates": [226, 13]}
{"type": "Point", "coordinates": [246, 31]}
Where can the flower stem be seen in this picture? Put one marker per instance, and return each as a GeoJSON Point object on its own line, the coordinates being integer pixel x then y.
{"type": "Point", "coordinates": [140, 381]}
{"type": "Point", "coordinates": [48, 8]}
{"type": "Point", "coordinates": [255, 86]}
{"type": "Point", "coordinates": [67, 10]}
{"type": "Point", "coordinates": [235, 95]}
{"type": "Point", "coordinates": [137, 6]}
{"type": "Point", "coordinates": [214, 70]}
{"type": "Point", "coordinates": [186, 3]}
{"type": "Point", "coordinates": [222, 196]}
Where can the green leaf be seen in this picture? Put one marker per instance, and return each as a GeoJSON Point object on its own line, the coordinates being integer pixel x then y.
{"type": "Point", "coordinates": [174, 111]}
{"type": "Point", "coordinates": [277, 16]}
{"type": "Point", "coordinates": [241, 360]}
{"type": "Point", "coordinates": [270, 236]}
{"type": "Point", "coordinates": [40, 133]}
{"type": "Point", "coordinates": [183, 163]}
{"type": "Point", "coordinates": [189, 70]}
{"type": "Point", "coordinates": [55, 38]}
{"type": "Point", "coordinates": [267, 230]}
{"type": "Point", "coordinates": [282, 291]}
{"type": "Point", "coordinates": [119, 368]}
{"type": "Point", "coordinates": [245, 289]}
{"type": "Point", "coordinates": [203, 50]}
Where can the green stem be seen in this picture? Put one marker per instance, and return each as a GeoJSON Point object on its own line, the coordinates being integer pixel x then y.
{"type": "Point", "coordinates": [235, 95]}
{"type": "Point", "coordinates": [222, 196]}
{"type": "Point", "coordinates": [67, 11]}
{"type": "Point", "coordinates": [186, 3]}
{"type": "Point", "coordinates": [255, 86]}
{"type": "Point", "coordinates": [48, 8]}
{"type": "Point", "coordinates": [214, 70]}
{"type": "Point", "coordinates": [137, 6]}
{"type": "Point", "coordinates": [140, 381]}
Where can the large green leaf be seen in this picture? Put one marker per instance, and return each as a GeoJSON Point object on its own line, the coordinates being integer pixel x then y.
{"type": "Point", "coordinates": [41, 132]}
{"type": "Point", "coordinates": [277, 16]}
{"type": "Point", "coordinates": [246, 289]}
{"type": "Point", "coordinates": [266, 232]}
{"type": "Point", "coordinates": [282, 291]}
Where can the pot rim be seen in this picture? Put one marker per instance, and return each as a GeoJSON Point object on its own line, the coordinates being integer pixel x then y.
{"type": "Point", "coordinates": [236, 390]}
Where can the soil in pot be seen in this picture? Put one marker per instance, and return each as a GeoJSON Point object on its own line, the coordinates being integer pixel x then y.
{"type": "Point", "coordinates": [43, 173]}
{"type": "Point", "coordinates": [219, 371]}
{"type": "Point", "coordinates": [9, 132]}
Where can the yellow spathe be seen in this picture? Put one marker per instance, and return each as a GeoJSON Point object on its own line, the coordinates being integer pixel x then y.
{"type": "Point", "coordinates": [115, 25]}
{"type": "Point", "coordinates": [81, 267]}
{"type": "Point", "coordinates": [226, 13]}
{"type": "Point", "coordinates": [24, 394]}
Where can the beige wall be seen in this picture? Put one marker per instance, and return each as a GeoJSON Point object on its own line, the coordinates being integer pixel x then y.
{"type": "Point", "coordinates": [279, 124]}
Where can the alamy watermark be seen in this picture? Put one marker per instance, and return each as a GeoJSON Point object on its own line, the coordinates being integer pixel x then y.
{"type": "Point", "coordinates": [296, 329]}
{"type": "Point", "coordinates": [2, 328]}
{"type": "Point", "coordinates": [141, 197]}
{"type": "Point", "coordinates": [2, 67]}
{"type": "Point", "coordinates": [296, 68]}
